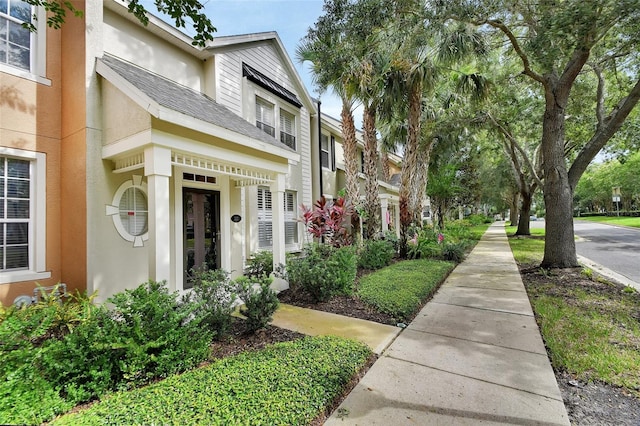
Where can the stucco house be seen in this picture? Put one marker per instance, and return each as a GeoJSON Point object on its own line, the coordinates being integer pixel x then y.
{"type": "Point", "coordinates": [128, 154]}
{"type": "Point", "coordinates": [146, 156]}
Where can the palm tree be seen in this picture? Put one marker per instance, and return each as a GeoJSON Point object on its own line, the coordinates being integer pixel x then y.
{"type": "Point", "coordinates": [327, 48]}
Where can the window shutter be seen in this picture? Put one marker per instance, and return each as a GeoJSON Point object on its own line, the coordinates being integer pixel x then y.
{"type": "Point", "coordinates": [265, 218]}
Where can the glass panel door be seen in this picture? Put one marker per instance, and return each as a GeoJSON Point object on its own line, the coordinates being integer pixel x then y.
{"type": "Point", "coordinates": [201, 232]}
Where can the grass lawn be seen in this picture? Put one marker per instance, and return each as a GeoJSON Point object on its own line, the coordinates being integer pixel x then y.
{"type": "Point", "coordinates": [613, 220]}
{"type": "Point", "coordinates": [590, 327]}
{"type": "Point", "coordinates": [286, 383]}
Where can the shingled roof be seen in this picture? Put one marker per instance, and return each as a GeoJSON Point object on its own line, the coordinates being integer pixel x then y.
{"type": "Point", "coordinates": [169, 94]}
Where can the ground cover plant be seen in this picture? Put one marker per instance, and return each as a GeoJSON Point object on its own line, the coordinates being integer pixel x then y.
{"type": "Point", "coordinates": [591, 328]}
{"type": "Point", "coordinates": [401, 289]}
{"type": "Point", "coordinates": [613, 220]}
{"type": "Point", "coordinates": [286, 383]}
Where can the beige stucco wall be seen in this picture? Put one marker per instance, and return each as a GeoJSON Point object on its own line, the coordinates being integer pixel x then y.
{"type": "Point", "coordinates": [131, 42]}
{"type": "Point", "coordinates": [122, 117]}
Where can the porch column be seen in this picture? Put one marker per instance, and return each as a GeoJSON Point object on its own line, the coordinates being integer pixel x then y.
{"type": "Point", "coordinates": [277, 227]}
{"type": "Point", "coordinates": [396, 219]}
{"type": "Point", "coordinates": [157, 169]}
{"type": "Point", "coordinates": [384, 206]}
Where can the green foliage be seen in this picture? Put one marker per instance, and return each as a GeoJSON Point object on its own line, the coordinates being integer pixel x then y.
{"type": "Point", "coordinates": [478, 219]}
{"type": "Point", "coordinates": [454, 252]}
{"type": "Point", "coordinates": [375, 254]}
{"type": "Point", "coordinates": [400, 289]}
{"type": "Point", "coordinates": [286, 383]}
{"type": "Point", "coordinates": [260, 301]}
{"type": "Point", "coordinates": [56, 355]}
{"type": "Point", "coordinates": [324, 271]}
{"type": "Point", "coordinates": [260, 263]}
{"type": "Point", "coordinates": [213, 295]}
{"type": "Point", "coordinates": [26, 335]}
{"type": "Point", "coordinates": [155, 335]}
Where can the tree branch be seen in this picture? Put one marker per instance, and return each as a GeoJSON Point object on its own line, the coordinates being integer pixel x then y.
{"type": "Point", "coordinates": [518, 49]}
{"type": "Point", "coordinates": [599, 95]}
{"type": "Point", "coordinates": [603, 134]}
{"type": "Point", "coordinates": [519, 148]}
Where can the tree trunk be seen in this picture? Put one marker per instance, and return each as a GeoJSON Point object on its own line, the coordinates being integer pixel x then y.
{"type": "Point", "coordinates": [525, 213]}
{"type": "Point", "coordinates": [350, 154]}
{"type": "Point", "coordinates": [372, 196]}
{"type": "Point", "coordinates": [409, 165]}
{"type": "Point", "coordinates": [386, 170]}
{"type": "Point", "coordinates": [514, 211]}
{"type": "Point", "coordinates": [420, 179]}
{"type": "Point", "coordinates": [560, 247]}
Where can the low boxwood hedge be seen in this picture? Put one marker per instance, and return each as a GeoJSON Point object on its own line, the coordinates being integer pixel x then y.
{"type": "Point", "coordinates": [400, 289]}
{"type": "Point", "coordinates": [286, 383]}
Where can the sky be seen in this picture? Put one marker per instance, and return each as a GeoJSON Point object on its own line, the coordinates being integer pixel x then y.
{"type": "Point", "coordinates": [289, 18]}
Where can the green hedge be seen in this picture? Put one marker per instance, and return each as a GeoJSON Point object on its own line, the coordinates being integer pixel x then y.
{"type": "Point", "coordinates": [286, 383]}
{"type": "Point", "coordinates": [400, 289]}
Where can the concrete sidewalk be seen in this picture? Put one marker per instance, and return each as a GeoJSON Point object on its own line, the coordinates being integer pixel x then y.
{"type": "Point", "coordinates": [472, 356]}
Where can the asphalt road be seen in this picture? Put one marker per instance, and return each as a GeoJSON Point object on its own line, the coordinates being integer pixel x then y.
{"type": "Point", "coordinates": [614, 247]}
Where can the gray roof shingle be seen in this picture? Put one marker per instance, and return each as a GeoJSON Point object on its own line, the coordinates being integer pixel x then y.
{"type": "Point", "coordinates": [182, 99]}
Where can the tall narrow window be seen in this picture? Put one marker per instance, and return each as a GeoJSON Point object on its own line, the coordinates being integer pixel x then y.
{"type": "Point", "coordinates": [288, 129]}
{"type": "Point", "coordinates": [15, 213]}
{"type": "Point", "coordinates": [265, 218]}
{"type": "Point", "coordinates": [265, 117]}
{"type": "Point", "coordinates": [15, 39]}
{"type": "Point", "coordinates": [290, 216]}
{"type": "Point", "coordinates": [325, 151]}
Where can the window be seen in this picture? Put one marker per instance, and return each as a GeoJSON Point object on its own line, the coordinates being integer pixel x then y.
{"type": "Point", "coordinates": [324, 155]}
{"type": "Point", "coordinates": [290, 218]}
{"type": "Point", "coordinates": [22, 215]}
{"type": "Point", "coordinates": [287, 129]}
{"type": "Point", "coordinates": [264, 116]}
{"type": "Point", "coordinates": [265, 218]}
{"type": "Point", "coordinates": [16, 213]}
{"type": "Point", "coordinates": [15, 40]}
{"type": "Point", "coordinates": [130, 211]}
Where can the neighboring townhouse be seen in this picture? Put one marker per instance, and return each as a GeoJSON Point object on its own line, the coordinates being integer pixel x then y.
{"type": "Point", "coordinates": [31, 76]}
{"type": "Point", "coordinates": [334, 178]}
{"type": "Point", "coordinates": [165, 157]}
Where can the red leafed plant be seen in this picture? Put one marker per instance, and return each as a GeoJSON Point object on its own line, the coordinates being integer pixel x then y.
{"type": "Point", "coordinates": [331, 220]}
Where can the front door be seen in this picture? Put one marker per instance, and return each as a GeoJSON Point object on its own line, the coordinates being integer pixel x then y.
{"type": "Point", "coordinates": [201, 232]}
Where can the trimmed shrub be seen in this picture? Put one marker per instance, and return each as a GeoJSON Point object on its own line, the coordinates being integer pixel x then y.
{"type": "Point", "coordinates": [155, 335]}
{"type": "Point", "coordinates": [400, 289]}
{"type": "Point", "coordinates": [260, 301]}
{"type": "Point", "coordinates": [260, 263]}
{"type": "Point", "coordinates": [375, 254]}
{"type": "Point", "coordinates": [323, 271]}
{"type": "Point", "coordinates": [286, 383]}
{"type": "Point", "coordinates": [213, 295]}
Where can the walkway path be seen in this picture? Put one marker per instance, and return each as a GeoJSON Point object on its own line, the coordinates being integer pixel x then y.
{"type": "Point", "coordinates": [472, 356]}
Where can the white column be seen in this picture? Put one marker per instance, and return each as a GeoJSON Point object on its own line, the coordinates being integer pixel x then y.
{"type": "Point", "coordinates": [157, 169]}
{"type": "Point", "coordinates": [384, 205]}
{"type": "Point", "coordinates": [277, 229]}
{"type": "Point", "coordinates": [277, 208]}
{"type": "Point", "coordinates": [396, 220]}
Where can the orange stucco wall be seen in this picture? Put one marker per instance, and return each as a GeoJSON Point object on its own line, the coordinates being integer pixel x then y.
{"type": "Point", "coordinates": [74, 185]}
{"type": "Point", "coordinates": [30, 120]}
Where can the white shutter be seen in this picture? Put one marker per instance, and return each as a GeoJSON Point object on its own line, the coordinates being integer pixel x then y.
{"type": "Point", "coordinates": [134, 213]}
{"type": "Point", "coordinates": [265, 218]}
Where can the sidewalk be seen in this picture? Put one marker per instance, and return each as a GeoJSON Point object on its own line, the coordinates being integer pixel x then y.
{"type": "Point", "coordinates": [472, 356]}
